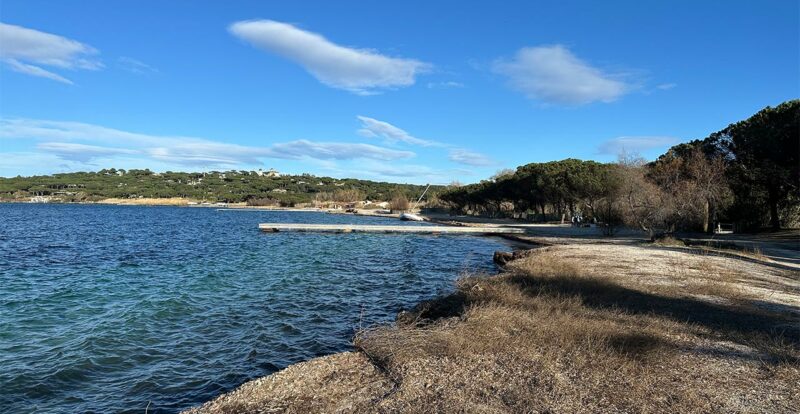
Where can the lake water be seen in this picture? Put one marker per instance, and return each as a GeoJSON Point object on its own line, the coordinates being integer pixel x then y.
{"type": "Point", "coordinates": [109, 308]}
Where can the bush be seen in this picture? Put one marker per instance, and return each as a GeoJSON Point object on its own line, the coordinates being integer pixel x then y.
{"type": "Point", "coordinates": [262, 202]}
{"type": "Point", "coordinates": [399, 203]}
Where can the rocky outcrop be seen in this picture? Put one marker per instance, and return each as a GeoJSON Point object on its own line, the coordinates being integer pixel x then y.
{"type": "Point", "coordinates": [503, 258]}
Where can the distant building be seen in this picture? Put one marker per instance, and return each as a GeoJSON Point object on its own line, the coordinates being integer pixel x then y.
{"type": "Point", "coordinates": [279, 190]}
{"type": "Point", "coordinates": [40, 199]}
{"type": "Point", "coordinates": [272, 173]}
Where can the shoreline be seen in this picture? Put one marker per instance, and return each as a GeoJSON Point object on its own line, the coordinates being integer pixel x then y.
{"type": "Point", "coordinates": [402, 365]}
{"type": "Point", "coordinates": [362, 380]}
{"type": "Point", "coordinates": [759, 246]}
{"type": "Point", "coordinates": [365, 380]}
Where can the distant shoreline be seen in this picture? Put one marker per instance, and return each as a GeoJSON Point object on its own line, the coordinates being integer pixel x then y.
{"type": "Point", "coordinates": [188, 203]}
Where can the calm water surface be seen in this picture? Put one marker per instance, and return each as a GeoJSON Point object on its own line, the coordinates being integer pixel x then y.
{"type": "Point", "coordinates": [106, 308]}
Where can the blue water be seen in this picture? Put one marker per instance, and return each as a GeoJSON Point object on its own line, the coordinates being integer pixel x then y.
{"type": "Point", "coordinates": [109, 308]}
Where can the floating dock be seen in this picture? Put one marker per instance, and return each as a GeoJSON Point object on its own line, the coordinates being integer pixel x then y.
{"type": "Point", "coordinates": [367, 228]}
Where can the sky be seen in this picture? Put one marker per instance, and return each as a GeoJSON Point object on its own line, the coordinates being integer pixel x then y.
{"type": "Point", "coordinates": [412, 91]}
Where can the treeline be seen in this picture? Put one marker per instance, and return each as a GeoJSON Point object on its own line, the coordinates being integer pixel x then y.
{"type": "Point", "coordinates": [215, 186]}
{"type": "Point", "coordinates": [747, 174]}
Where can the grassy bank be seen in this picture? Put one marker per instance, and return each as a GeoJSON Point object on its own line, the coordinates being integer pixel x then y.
{"type": "Point", "coordinates": [570, 328]}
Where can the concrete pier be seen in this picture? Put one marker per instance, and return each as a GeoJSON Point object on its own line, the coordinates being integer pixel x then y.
{"type": "Point", "coordinates": [366, 228]}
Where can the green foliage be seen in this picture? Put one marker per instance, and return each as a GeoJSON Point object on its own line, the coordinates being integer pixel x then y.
{"type": "Point", "coordinates": [559, 187]}
{"type": "Point", "coordinates": [214, 186]}
{"type": "Point", "coordinates": [746, 173]}
{"type": "Point", "coordinates": [764, 159]}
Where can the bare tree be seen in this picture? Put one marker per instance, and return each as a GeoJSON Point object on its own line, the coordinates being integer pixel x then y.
{"type": "Point", "coordinates": [506, 172]}
{"type": "Point", "coordinates": [644, 204]}
{"type": "Point", "coordinates": [711, 185]}
{"type": "Point", "coordinates": [674, 192]}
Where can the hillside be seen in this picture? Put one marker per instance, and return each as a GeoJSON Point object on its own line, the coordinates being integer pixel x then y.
{"type": "Point", "coordinates": [214, 186]}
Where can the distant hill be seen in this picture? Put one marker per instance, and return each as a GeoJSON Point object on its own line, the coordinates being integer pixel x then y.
{"type": "Point", "coordinates": [215, 186]}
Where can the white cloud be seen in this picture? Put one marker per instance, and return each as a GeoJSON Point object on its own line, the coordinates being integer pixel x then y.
{"type": "Point", "coordinates": [404, 171]}
{"type": "Point", "coordinates": [135, 66]}
{"type": "Point", "coordinates": [445, 85]}
{"type": "Point", "coordinates": [666, 86]}
{"type": "Point", "coordinates": [28, 163]}
{"type": "Point", "coordinates": [23, 49]}
{"type": "Point", "coordinates": [59, 138]}
{"type": "Point", "coordinates": [81, 152]}
{"type": "Point", "coordinates": [373, 128]}
{"type": "Point", "coordinates": [32, 70]}
{"type": "Point", "coordinates": [420, 174]}
{"type": "Point", "coordinates": [360, 71]}
{"type": "Point", "coordinates": [74, 131]}
{"type": "Point", "coordinates": [552, 74]}
{"type": "Point", "coordinates": [334, 151]}
{"type": "Point", "coordinates": [634, 144]}
{"type": "Point", "coordinates": [467, 157]}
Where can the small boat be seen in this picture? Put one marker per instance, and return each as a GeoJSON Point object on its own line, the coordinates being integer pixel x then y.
{"type": "Point", "coordinates": [410, 217]}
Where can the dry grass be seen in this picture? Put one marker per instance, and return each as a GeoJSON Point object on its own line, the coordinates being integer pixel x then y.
{"type": "Point", "coordinates": [561, 332]}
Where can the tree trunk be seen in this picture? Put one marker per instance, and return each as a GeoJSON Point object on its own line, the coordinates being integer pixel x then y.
{"type": "Point", "coordinates": [775, 221]}
{"type": "Point", "coordinates": [706, 218]}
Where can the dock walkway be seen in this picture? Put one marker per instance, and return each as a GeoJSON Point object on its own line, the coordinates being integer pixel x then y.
{"type": "Point", "coordinates": [366, 228]}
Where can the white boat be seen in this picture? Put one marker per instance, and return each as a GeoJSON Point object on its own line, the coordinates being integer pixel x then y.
{"type": "Point", "coordinates": [410, 217]}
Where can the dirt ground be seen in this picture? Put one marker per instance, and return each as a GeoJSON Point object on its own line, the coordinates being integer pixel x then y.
{"type": "Point", "coordinates": [569, 328]}
{"type": "Point", "coordinates": [778, 247]}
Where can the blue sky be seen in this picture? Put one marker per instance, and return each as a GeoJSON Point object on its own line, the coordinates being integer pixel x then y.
{"type": "Point", "coordinates": [408, 92]}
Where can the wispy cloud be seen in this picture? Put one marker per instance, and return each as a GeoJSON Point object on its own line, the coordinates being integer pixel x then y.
{"type": "Point", "coordinates": [135, 66]}
{"type": "Point", "coordinates": [81, 142]}
{"type": "Point", "coordinates": [360, 71]}
{"type": "Point", "coordinates": [334, 151]}
{"type": "Point", "coordinates": [81, 152]}
{"type": "Point", "coordinates": [466, 157]}
{"type": "Point", "coordinates": [554, 75]}
{"type": "Point", "coordinates": [619, 145]}
{"type": "Point", "coordinates": [26, 50]}
{"type": "Point", "coordinates": [666, 86]}
{"type": "Point", "coordinates": [32, 70]}
{"type": "Point", "coordinates": [445, 85]}
{"type": "Point", "coordinates": [415, 172]}
{"type": "Point", "coordinates": [373, 128]}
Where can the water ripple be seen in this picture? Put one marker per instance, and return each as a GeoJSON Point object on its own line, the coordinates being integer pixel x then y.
{"type": "Point", "coordinates": [107, 308]}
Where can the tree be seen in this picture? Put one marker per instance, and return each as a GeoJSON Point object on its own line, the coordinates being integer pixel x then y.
{"type": "Point", "coordinates": [644, 203]}
{"type": "Point", "coordinates": [710, 184]}
{"type": "Point", "coordinates": [763, 154]}
{"type": "Point", "coordinates": [506, 172]}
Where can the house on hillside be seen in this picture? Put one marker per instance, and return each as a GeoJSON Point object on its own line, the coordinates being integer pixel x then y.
{"type": "Point", "coordinates": [272, 173]}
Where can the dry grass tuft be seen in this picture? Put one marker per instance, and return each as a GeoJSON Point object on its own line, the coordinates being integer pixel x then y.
{"type": "Point", "coordinates": [567, 330]}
